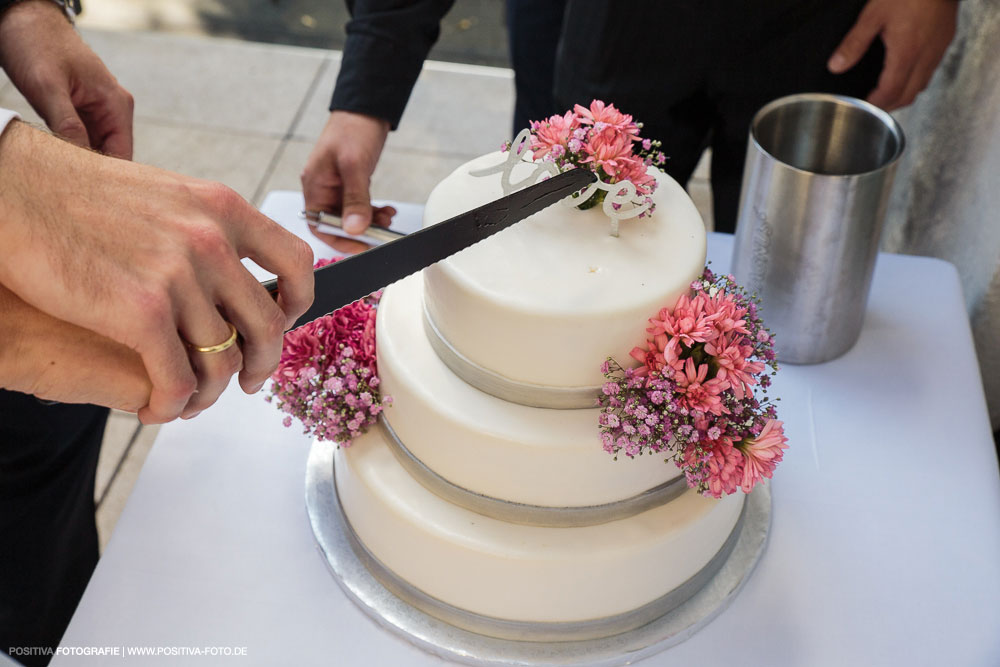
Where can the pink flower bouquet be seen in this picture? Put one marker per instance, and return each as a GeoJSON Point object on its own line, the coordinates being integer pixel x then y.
{"type": "Point", "coordinates": [603, 139]}
{"type": "Point", "coordinates": [327, 377]}
{"type": "Point", "coordinates": [692, 398]}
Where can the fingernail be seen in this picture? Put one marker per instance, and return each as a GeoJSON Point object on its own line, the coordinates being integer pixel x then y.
{"type": "Point", "coordinates": [354, 223]}
{"type": "Point", "coordinates": [836, 63]}
{"type": "Point", "coordinates": [191, 416]}
{"type": "Point", "coordinates": [258, 387]}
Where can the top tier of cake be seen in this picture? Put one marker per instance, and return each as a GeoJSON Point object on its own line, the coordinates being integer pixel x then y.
{"type": "Point", "coordinates": [548, 300]}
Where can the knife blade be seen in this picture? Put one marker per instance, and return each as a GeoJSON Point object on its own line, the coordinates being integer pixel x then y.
{"type": "Point", "coordinates": [357, 276]}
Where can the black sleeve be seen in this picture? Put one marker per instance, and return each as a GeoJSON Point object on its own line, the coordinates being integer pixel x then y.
{"type": "Point", "coordinates": [387, 41]}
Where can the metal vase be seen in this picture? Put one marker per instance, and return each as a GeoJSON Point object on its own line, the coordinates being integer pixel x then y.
{"type": "Point", "coordinates": [816, 185]}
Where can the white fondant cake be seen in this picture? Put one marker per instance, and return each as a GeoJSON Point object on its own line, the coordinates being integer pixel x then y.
{"type": "Point", "coordinates": [548, 300]}
{"type": "Point", "coordinates": [513, 452]}
{"type": "Point", "coordinates": [543, 303]}
{"type": "Point", "coordinates": [526, 573]}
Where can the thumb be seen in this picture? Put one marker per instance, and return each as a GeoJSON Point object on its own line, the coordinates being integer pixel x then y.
{"type": "Point", "coordinates": [356, 204]}
{"type": "Point", "coordinates": [855, 43]}
{"type": "Point", "coordinates": [59, 114]}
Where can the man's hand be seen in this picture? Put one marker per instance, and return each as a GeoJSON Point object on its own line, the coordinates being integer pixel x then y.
{"type": "Point", "coordinates": [338, 174]}
{"type": "Point", "coordinates": [916, 34]}
{"type": "Point", "coordinates": [63, 80]}
{"type": "Point", "coordinates": [59, 361]}
{"type": "Point", "coordinates": [149, 259]}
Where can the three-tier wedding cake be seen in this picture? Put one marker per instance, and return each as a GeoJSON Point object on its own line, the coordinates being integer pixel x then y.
{"type": "Point", "coordinates": [504, 517]}
{"type": "Point", "coordinates": [522, 483]}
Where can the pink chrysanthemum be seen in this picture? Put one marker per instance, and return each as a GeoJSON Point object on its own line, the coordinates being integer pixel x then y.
{"type": "Point", "coordinates": [723, 469]}
{"type": "Point", "coordinates": [715, 466]}
{"type": "Point", "coordinates": [302, 348]}
{"type": "Point", "coordinates": [651, 358]}
{"type": "Point", "coordinates": [762, 454]}
{"type": "Point", "coordinates": [699, 393]}
{"type": "Point", "coordinates": [328, 377]}
{"type": "Point", "coordinates": [610, 151]}
{"type": "Point", "coordinates": [687, 323]}
{"type": "Point", "coordinates": [555, 131]}
{"type": "Point", "coordinates": [728, 316]}
{"type": "Point", "coordinates": [635, 170]}
{"type": "Point", "coordinates": [734, 364]}
{"type": "Point", "coordinates": [606, 115]}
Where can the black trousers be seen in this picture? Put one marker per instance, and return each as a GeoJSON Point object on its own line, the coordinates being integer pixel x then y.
{"type": "Point", "coordinates": [533, 28]}
{"type": "Point", "coordinates": [694, 72]}
{"type": "Point", "coordinates": [48, 534]}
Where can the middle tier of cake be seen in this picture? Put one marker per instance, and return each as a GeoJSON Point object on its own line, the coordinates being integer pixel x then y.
{"type": "Point", "coordinates": [488, 446]}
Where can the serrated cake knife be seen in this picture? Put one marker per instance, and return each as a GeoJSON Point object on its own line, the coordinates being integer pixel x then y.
{"type": "Point", "coordinates": [357, 276]}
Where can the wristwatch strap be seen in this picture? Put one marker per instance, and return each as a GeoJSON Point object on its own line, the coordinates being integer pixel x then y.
{"type": "Point", "coordinates": [70, 7]}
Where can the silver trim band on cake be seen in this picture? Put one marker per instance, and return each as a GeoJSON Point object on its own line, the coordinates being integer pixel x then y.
{"type": "Point", "coordinates": [531, 515]}
{"type": "Point", "coordinates": [541, 631]}
{"type": "Point", "coordinates": [494, 384]}
{"type": "Point", "coordinates": [329, 527]}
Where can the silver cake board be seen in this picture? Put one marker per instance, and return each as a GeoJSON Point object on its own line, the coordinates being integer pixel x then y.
{"type": "Point", "coordinates": [334, 536]}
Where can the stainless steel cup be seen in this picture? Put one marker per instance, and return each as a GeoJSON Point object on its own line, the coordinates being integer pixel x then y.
{"type": "Point", "coordinates": [815, 189]}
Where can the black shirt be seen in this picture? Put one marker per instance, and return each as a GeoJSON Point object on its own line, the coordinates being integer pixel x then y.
{"type": "Point", "coordinates": [387, 41]}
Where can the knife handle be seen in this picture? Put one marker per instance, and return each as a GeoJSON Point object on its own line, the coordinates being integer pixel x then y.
{"type": "Point", "coordinates": [317, 218]}
{"type": "Point", "coordinates": [272, 287]}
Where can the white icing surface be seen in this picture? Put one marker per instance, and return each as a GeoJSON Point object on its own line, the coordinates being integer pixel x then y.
{"type": "Point", "coordinates": [546, 301]}
{"type": "Point", "coordinates": [504, 450]}
{"type": "Point", "coordinates": [517, 572]}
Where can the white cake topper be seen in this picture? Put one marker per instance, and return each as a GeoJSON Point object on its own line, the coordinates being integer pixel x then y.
{"type": "Point", "coordinates": [618, 203]}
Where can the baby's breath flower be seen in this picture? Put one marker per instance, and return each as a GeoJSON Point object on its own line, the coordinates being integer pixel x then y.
{"type": "Point", "coordinates": [328, 378]}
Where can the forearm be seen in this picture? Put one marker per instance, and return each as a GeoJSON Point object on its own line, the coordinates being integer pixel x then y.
{"type": "Point", "coordinates": [11, 334]}
{"type": "Point", "coordinates": [11, 189]}
{"type": "Point", "coordinates": [29, 161]}
{"type": "Point", "coordinates": [54, 360]}
{"type": "Point", "coordinates": [63, 80]}
{"type": "Point", "coordinates": [40, 354]}
{"type": "Point", "coordinates": [387, 42]}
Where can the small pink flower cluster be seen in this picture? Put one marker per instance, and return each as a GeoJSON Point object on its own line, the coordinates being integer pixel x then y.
{"type": "Point", "coordinates": [693, 396]}
{"type": "Point", "coordinates": [327, 377]}
{"type": "Point", "coordinates": [600, 138]}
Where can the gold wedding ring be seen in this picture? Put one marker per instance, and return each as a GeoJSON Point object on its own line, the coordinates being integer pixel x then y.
{"type": "Point", "coordinates": [224, 345]}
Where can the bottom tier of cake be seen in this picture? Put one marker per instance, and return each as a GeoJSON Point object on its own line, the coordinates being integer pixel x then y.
{"type": "Point", "coordinates": [527, 582]}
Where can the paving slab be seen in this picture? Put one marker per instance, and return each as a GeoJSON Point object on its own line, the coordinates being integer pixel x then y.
{"type": "Point", "coordinates": [118, 432]}
{"type": "Point", "coordinates": [210, 83]}
{"type": "Point", "coordinates": [703, 170]}
{"type": "Point", "coordinates": [454, 109]}
{"type": "Point", "coordinates": [11, 98]}
{"type": "Point", "coordinates": [700, 192]}
{"type": "Point", "coordinates": [472, 32]}
{"type": "Point", "coordinates": [458, 109]}
{"type": "Point", "coordinates": [240, 160]}
{"type": "Point", "coordinates": [120, 489]}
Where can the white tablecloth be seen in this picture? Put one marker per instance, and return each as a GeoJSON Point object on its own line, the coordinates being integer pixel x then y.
{"type": "Point", "coordinates": [884, 547]}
